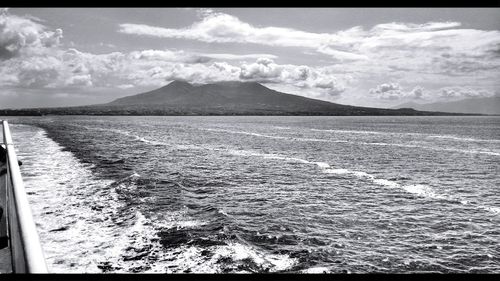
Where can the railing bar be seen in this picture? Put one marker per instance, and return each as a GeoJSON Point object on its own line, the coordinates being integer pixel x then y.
{"type": "Point", "coordinates": [35, 261]}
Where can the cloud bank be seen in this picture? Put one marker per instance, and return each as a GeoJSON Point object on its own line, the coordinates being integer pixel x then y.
{"type": "Point", "coordinates": [434, 60]}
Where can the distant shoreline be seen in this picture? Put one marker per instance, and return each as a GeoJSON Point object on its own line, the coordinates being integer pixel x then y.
{"type": "Point", "coordinates": [161, 110]}
{"type": "Point", "coordinates": [244, 114]}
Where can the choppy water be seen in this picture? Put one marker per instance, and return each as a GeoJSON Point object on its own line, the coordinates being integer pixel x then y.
{"type": "Point", "coordinates": [264, 194]}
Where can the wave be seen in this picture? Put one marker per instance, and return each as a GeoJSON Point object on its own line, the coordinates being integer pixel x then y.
{"type": "Point", "coordinates": [456, 138]}
{"type": "Point", "coordinates": [316, 270]}
{"type": "Point", "coordinates": [495, 210]}
{"type": "Point", "coordinates": [451, 137]}
{"type": "Point", "coordinates": [85, 226]}
{"type": "Point", "coordinates": [159, 143]}
{"type": "Point", "coordinates": [153, 142]}
{"type": "Point", "coordinates": [350, 131]}
{"type": "Point", "coordinates": [416, 189]}
{"type": "Point", "coordinates": [468, 151]}
{"type": "Point", "coordinates": [276, 137]}
{"type": "Point", "coordinates": [139, 250]}
{"type": "Point", "coordinates": [419, 190]}
{"type": "Point", "coordinates": [245, 133]}
{"type": "Point", "coordinates": [65, 196]}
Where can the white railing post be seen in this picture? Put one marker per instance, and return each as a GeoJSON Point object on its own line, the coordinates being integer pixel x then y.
{"type": "Point", "coordinates": [27, 254]}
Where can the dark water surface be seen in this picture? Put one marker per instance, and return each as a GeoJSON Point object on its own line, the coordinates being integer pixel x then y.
{"type": "Point", "coordinates": [264, 194]}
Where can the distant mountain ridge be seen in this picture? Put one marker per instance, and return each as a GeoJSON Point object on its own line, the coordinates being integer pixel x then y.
{"type": "Point", "coordinates": [489, 105]}
{"type": "Point", "coordinates": [242, 98]}
{"type": "Point", "coordinates": [243, 95]}
{"type": "Point", "coordinates": [223, 98]}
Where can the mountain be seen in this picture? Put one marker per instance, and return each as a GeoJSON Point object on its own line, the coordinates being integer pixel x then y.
{"type": "Point", "coordinates": [472, 105]}
{"type": "Point", "coordinates": [241, 98]}
{"type": "Point", "coordinates": [234, 95]}
{"type": "Point", "coordinates": [224, 98]}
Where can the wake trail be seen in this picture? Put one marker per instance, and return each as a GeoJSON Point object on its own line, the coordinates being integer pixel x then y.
{"type": "Point", "coordinates": [467, 151]}
{"type": "Point", "coordinates": [416, 189]}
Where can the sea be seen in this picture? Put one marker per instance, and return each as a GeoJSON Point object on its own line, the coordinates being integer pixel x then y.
{"type": "Point", "coordinates": [259, 194]}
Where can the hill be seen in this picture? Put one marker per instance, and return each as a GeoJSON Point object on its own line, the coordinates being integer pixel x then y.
{"type": "Point", "coordinates": [473, 105]}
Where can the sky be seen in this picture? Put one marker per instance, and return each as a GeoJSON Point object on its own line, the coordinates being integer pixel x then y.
{"type": "Point", "coordinates": [378, 57]}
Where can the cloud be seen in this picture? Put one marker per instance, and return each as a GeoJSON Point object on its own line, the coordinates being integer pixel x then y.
{"type": "Point", "coordinates": [330, 84]}
{"type": "Point", "coordinates": [238, 57]}
{"type": "Point", "coordinates": [168, 55]}
{"type": "Point", "coordinates": [405, 27]}
{"type": "Point", "coordinates": [18, 34]}
{"type": "Point", "coordinates": [437, 53]}
{"type": "Point", "coordinates": [267, 71]}
{"type": "Point", "coordinates": [393, 91]}
{"type": "Point", "coordinates": [223, 28]}
{"type": "Point", "coordinates": [352, 44]}
{"type": "Point", "coordinates": [192, 57]}
{"type": "Point", "coordinates": [389, 91]}
{"type": "Point", "coordinates": [125, 86]}
{"type": "Point", "coordinates": [417, 93]}
{"type": "Point", "coordinates": [263, 70]}
{"type": "Point", "coordinates": [463, 92]}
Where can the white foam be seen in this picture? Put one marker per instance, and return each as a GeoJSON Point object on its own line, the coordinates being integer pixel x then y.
{"type": "Point", "coordinates": [316, 270]}
{"type": "Point", "coordinates": [360, 174]}
{"type": "Point", "coordinates": [62, 198]}
{"type": "Point", "coordinates": [472, 151]}
{"type": "Point", "coordinates": [126, 133]}
{"type": "Point", "coordinates": [337, 171]}
{"type": "Point", "coordinates": [495, 210]}
{"type": "Point", "coordinates": [468, 151]}
{"type": "Point", "coordinates": [182, 258]}
{"type": "Point", "coordinates": [322, 165]}
{"type": "Point", "coordinates": [348, 131]}
{"type": "Point", "coordinates": [240, 252]}
{"type": "Point", "coordinates": [420, 190]}
{"type": "Point", "coordinates": [387, 183]}
{"type": "Point", "coordinates": [293, 159]}
{"type": "Point", "coordinates": [275, 137]}
{"type": "Point", "coordinates": [152, 141]}
{"type": "Point", "coordinates": [65, 191]}
{"type": "Point", "coordinates": [456, 138]}
{"type": "Point", "coordinates": [423, 190]}
{"type": "Point", "coordinates": [245, 133]}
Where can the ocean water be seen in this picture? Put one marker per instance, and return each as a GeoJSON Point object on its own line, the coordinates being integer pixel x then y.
{"type": "Point", "coordinates": [264, 194]}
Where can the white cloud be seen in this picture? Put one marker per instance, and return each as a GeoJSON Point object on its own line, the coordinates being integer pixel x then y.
{"type": "Point", "coordinates": [238, 57]}
{"type": "Point", "coordinates": [125, 86]}
{"type": "Point", "coordinates": [267, 71]}
{"type": "Point", "coordinates": [389, 43]}
{"type": "Point", "coordinates": [263, 70]}
{"type": "Point", "coordinates": [393, 91]}
{"type": "Point", "coordinates": [389, 91]}
{"type": "Point", "coordinates": [79, 80]}
{"type": "Point", "coordinates": [414, 55]}
{"type": "Point", "coordinates": [168, 55]}
{"type": "Point", "coordinates": [224, 28]}
{"type": "Point", "coordinates": [417, 93]}
{"type": "Point", "coordinates": [454, 93]}
{"type": "Point", "coordinates": [18, 34]}
{"type": "Point", "coordinates": [430, 26]}
{"type": "Point", "coordinates": [192, 57]}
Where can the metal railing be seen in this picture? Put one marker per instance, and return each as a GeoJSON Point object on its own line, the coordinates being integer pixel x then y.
{"type": "Point", "coordinates": [27, 254]}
